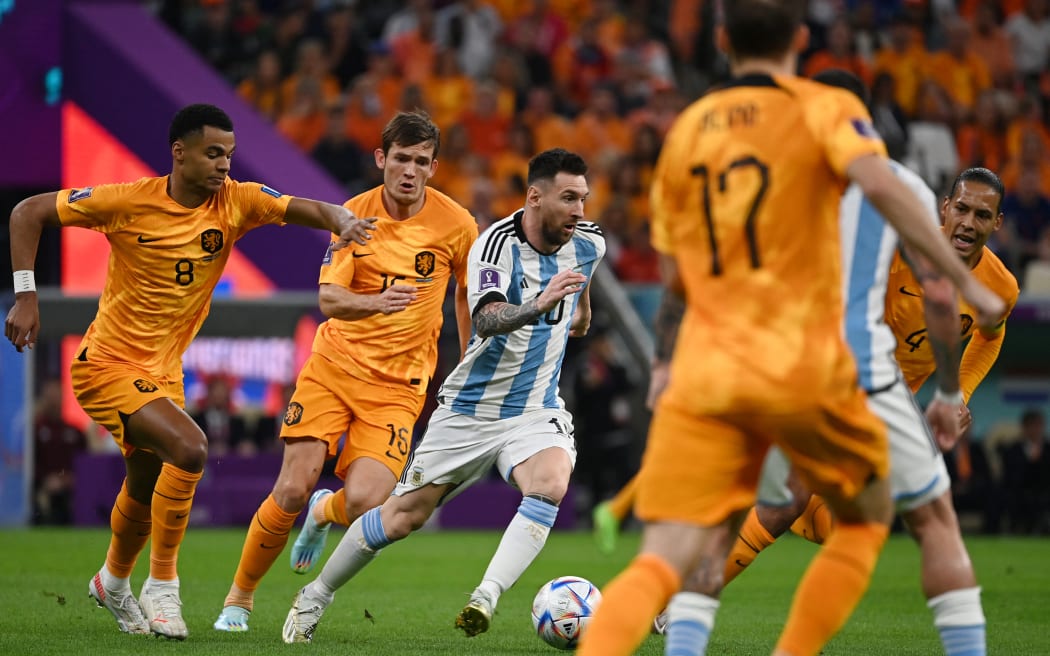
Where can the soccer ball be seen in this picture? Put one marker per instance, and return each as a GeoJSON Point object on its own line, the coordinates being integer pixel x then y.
{"type": "Point", "coordinates": [562, 608]}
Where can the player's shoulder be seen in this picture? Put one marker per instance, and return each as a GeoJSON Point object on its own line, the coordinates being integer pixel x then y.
{"type": "Point", "coordinates": [448, 208]}
{"type": "Point", "coordinates": [366, 202]}
{"type": "Point", "coordinates": [492, 243]}
{"type": "Point", "coordinates": [589, 230]}
{"type": "Point", "coordinates": [992, 272]}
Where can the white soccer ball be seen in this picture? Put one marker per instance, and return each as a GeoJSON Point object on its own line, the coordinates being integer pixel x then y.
{"type": "Point", "coordinates": [562, 608]}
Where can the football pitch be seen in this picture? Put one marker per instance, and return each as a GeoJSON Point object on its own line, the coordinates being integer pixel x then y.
{"type": "Point", "coordinates": [405, 602]}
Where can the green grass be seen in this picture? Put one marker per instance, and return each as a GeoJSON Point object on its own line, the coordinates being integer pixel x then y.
{"type": "Point", "coordinates": [414, 590]}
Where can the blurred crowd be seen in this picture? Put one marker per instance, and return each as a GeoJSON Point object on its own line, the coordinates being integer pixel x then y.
{"type": "Point", "coordinates": [953, 84]}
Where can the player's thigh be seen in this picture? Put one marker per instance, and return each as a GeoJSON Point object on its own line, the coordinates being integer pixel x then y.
{"type": "Point", "coordinates": [538, 452]}
{"type": "Point", "coordinates": [918, 474]}
{"type": "Point", "coordinates": [837, 445]}
{"type": "Point", "coordinates": [384, 417]}
{"type": "Point", "coordinates": [111, 392]}
{"type": "Point", "coordinates": [317, 409]}
{"type": "Point", "coordinates": [456, 450]}
{"type": "Point", "coordinates": [696, 469]}
{"type": "Point", "coordinates": [773, 488]}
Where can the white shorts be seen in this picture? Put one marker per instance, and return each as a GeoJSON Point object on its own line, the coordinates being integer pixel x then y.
{"type": "Point", "coordinates": [461, 449]}
{"type": "Point", "coordinates": [917, 471]}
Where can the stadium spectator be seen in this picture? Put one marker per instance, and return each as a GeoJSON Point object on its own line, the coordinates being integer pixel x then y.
{"type": "Point", "coordinates": [347, 44]}
{"type": "Point", "coordinates": [1028, 207]}
{"type": "Point", "coordinates": [487, 128]}
{"type": "Point", "coordinates": [604, 436]}
{"type": "Point", "coordinates": [840, 53]}
{"type": "Point", "coordinates": [1029, 31]}
{"type": "Point", "coordinates": [549, 129]}
{"type": "Point", "coordinates": [1033, 159]}
{"type": "Point", "coordinates": [415, 51]}
{"type": "Point", "coordinates": [601, 133]}
{"type": "Point", "coordinates": [959, 70]}
{"type": "Point", "coordinates": [888, 116]}
{"type": "Point", "coordinates": [366, 113]}
{"type": "Point", "coordinates": [470, 29]}
{"type": "Point", "coordinates": [56, 445]}
{"type": "Point", "coordinates": [341, 157]}
{"type": "Point", "coordinates": [581, 63]}
{"type": "Point", "coordinates": [262, 89]}
{"type": "Point", "coordinates": [448, 90]}
{"type": "Point", "coordinates": [931, 145]}
{"type": "Point", "coordinates": [643, 65]}
{"type": "Point", "coordinates": [311, 64]}
{"type": "Point", "coordinates": [992, 44]}
{"type": "Point", "coordinates": [982, 139]}
{"type": "Point", "coordinates": [638, 262]}
{"type": "Point", "coordinates": [305, 120]}
{"type": "Point", "coordinates": [1030, 118]}
{"type": "Point", "coordinates": [1026, 477]}
{"type": "Point", "coordinates": [226, 429]}
{"type": "Point", "coordinates": [510, 168]}
{"type": "Point", "coordinates": [905, 59]}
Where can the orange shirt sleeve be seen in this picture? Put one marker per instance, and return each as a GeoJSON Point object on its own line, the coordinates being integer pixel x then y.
{"type": "Point", "coordinates": [843, 126]}
{"type": "Point", "coordinates": [105, 208]}
{"type": "Point", "coordinates": [258, 205]}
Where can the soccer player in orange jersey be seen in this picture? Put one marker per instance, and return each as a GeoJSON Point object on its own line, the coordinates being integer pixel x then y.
{"type": "Point", "coordinates": [371, 361]}
{"type": "Point", "coordinates": [746, 198]}
{"type": "Point", "coordinates": [170, 238]}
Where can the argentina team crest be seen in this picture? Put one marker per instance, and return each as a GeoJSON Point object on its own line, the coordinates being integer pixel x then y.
{"type": "Point", "coordinates": [425, 262]}
{"type": "Point", "coordinates": [211, 241]}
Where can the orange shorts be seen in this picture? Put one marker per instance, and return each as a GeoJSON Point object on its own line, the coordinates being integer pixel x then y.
{"type": "Point", "coordinates": [110, 391]}
{"type": "Point", "coordinates": [702, 469]}
{"type": "Point", "coordinates": [377, 419]}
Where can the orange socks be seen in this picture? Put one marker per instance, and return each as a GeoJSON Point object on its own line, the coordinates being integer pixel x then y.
{"type": "Point", "coordinates": [334, 506]}
{"type": "Point", "coordinates": [815, 522]}
{"type": "Point", "coordinates": [623, 502]}
{"type": "Point", "coordinates": [267, 536]}
{"type": "Point", "coordinates": [831, 587]}
{"type": "Point", "coordinates": [130, 523]}
{"type": "Point", "coordinates": [172, 498]}
{"type": "Point", "coordinates": [752, 540]}
{"type": "Point", "coordinates": [629, 604]}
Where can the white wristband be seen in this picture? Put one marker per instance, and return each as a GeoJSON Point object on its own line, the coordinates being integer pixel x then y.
{"type": "Point", "coordinates": [950, 399]}
{"type": "Point", "coordinates": [25, 281]}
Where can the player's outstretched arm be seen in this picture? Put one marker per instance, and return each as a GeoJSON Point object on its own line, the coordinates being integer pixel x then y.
{"type": "Point", "coordinates": [333, 218]}
{"type": "Point", "coordinates": [941, 309]}
{"type": "Point", "coordinates": [665, 328]}
{"type": "Point", "coordinates": [337, 302]}
{"type": "Point", "coordinates": [27, 222]}
{"type": "Point", "coordinates": [500, 317]}
{"type": "Point", "coordinates": [904, 210]}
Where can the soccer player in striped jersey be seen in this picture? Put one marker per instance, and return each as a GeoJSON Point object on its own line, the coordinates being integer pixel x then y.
{"type": "Point", "coordinates": [170, 238]}
{"type": "Point", "coordinates": [528, 293]}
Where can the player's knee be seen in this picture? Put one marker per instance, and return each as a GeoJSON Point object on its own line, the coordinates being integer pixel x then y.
{"type": "Point", "coordinates": [404, 522]}
{"type": "Point", "coordinates": [189, 451]}
{"type": "Point", "coordinates": [778, 519]}
{"type": "Point", "coordinates": [931, 519]}
{"type": "Point", "coordinates": [550, 485]}
{"type": "Point", "coordinates": [291, 494]}
{"type": "Point", "coordinates": [358, 502]}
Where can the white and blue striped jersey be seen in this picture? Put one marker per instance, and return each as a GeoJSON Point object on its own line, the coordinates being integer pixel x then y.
{"type": "Point", "coordinates": [869, 244]}
{"type": "Point", "coordinates": [506, 375]}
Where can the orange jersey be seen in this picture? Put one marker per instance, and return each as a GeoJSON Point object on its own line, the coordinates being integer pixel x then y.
{"type": "Point", "coordinates": [164, 262]}
{"type": "Point", "coordinates": [746, 198]}
{"type": "Point", "coordinates": [422, 251]}
{"type": "Point", "coordinates": [905, 316]}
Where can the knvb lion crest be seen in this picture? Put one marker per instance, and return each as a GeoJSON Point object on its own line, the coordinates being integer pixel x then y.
{"type": "Point", "coordinates": [425, 263]}
{"type": "Point", "coordinates": [144, 386]}
{"type": "Point", "coordinates": [294, 414]}
{"type": "Point", "coordinates": [211, 241]}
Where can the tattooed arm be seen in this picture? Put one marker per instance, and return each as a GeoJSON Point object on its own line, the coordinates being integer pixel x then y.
{"type": "Point", "coordinates": [500, 317]}
{"type": "Point", "coordinates": [947, 414]}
